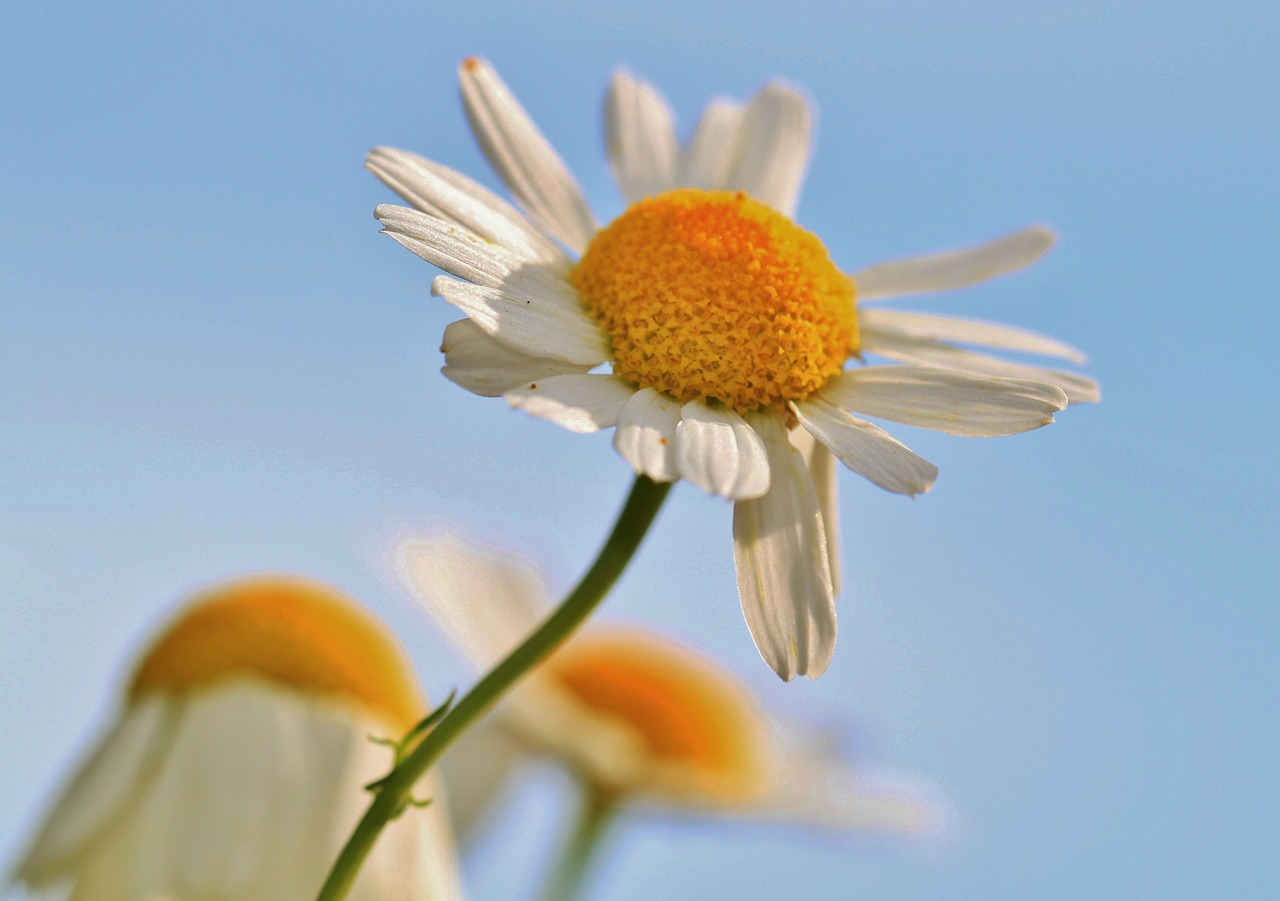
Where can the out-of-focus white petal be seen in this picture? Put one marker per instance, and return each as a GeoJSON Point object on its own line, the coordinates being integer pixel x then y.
{"type": "Point", "coordinates": [640, 137]}
{"type": "Point", "coordinates": [708, 160]}
{"type": "Point", "coordinates": [720, 453]}
{"type": "Point", "coordinates": [646, 434]}
{"type": "Point", "coordinates": [119, 767]}
{"type": "Point", "coordinates": [975, 406]}
{"type": "Point", "coordinates": [579, 403]}
{"type": "Point", "coordinates": [448, 194]}
{"type": "Point", "coordinates": [524, 159]}
{"type": "Point", "coordinates": [867, 449]}
{"type": "Point", "coordinates": [780, 550]}
{"type": "Point", "coordinates": [954, 269]}
{"type": "Point", "coordinates": [485, 366]}
{"type": "Point", "coordinates": [476, 769]}
{"type": "Point", "coordinates": [486, 601]}
{"type": "Point", "coordinates": [966, 331]}
{"type": "Point", "coordinates": [822, 472]}
{"type": "Point", "coordinates": [773, 147]}
{"type": "Point", "coordinates": [528, 324]}
{"type": "Point", "coordinates": [1078, 388]}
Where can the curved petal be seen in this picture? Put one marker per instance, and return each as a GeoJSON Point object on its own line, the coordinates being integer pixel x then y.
{"type": "Point", "coordinates": [1078, 388]}
{"type": "Point", "coordinates": [974, 406]}
{"type": "Point", "coordinates": [442, 192]}
{"type": "Point", "coordinates": [640, 137]}
{"type": "Point", "coordinates": [579, 403]}
{"type": "Point", "coordinates": [720, 453]}
{"type": "Point", "coordinates": [822, 472]}
{"type": "Point", "coordinates": [867, 449]}
{"type": "Point", "coordinates": [480, 363]}
{"type": "Point", "coordinates": [487, 601]}
{"type": "Point", "coordinates": [965, 331]}
{"type": "Point", "coordinates": [780, 551]}
{"type": "Point", "coordinates": [448, 246]}
{"type": "Point", "coordinates": [522, 157]}
{"type": "Point", "coordinates": [708, 160]}
{"type": "Point", "coordinates": [773, 147]}
{"type": "Point", "coordinates": [528, 324]}
{"type": "Point", "coordinates": [954, 269]}
{"type": "Point", "coordinates": [646, 434]}
{"type": "Point", "coordinates": [122, 762]}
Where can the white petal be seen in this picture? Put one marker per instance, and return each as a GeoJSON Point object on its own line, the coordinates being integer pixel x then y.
{"type": "Point", "coordinates": [485, 600]}
{"type": "Point", "coordinates": [780, 550]}
{"type": "Point", "coordinates": [641, 138]}
{"type": "Point", "coordinates": [965, 331]}
{"type": "Point", "coordinates": [646, 434]}
{"type": "Point", "coordinates": [119, 767]}
{"type": "Point", "coordinates": [773, 148]}
{"type": "Point", "coordinates": [526, 323]}
{"type": "Point", "coordinates": [476, 770]}
{"type": "Point", "coordinates": [822, 472]}
{"type": "Point", "coordinates": [867, 449]}
{"type": "Point", "coordinates": [954, 269]}
{"type": "Point", "coordinates": [708, 161]}
{"type": "Point", "coordinates": [975, 406]}
{"type": "Point", "coordinates": [522, 157]}
{"type": "Point", "coordinates": [1078, 388]}
{"type": "Point", "coordinates": [579, 403]}
{"type": "Point", "coordinates": [720, 453]}
{"type": "Point", "coordinates": [448, 194]}
{"type": "Point", "coordinates": [484, 365]}
{"type": "Point", "coordinates": [447, 245]}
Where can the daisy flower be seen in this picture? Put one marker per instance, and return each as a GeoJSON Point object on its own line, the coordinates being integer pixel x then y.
{"type": "Point", "coordinates": [725, 328]}
{"type": "Point", "coordinates": [634, 715]}
{"type": "Point", "coordinates": [235, 769]}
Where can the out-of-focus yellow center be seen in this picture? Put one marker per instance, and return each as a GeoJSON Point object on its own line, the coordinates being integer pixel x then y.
{"type": "Point", "coordinates": [689, 714]}
{"type": "Point", "coordinates": [290, 631]}
{"type": "Point", "coordinates": [713, 296]}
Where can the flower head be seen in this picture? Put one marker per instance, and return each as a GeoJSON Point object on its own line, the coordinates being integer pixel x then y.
{"type": "Point", "coordinates": [236, 768]}
{"type": "Point", "coordinates": [727, 330]}
{"type": "Point", "coordinates": [634, 714]}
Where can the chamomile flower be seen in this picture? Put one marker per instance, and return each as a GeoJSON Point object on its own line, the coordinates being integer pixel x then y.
{"type": "Point", "coordinates": [635, 715]}
{"type": "Point", "coordinates": [236, 768]}
{"type": "Point", "coordinates": [726, 328]}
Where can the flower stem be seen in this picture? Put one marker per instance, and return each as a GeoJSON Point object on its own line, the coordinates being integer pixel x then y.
{"type": "Point", "coordinates": [568, 878]}
{"type": "Point", "coordinates": [633, 522]}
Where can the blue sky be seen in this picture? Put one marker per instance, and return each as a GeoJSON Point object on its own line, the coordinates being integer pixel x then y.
{"type": "Point", "coordinates": [210, 362]}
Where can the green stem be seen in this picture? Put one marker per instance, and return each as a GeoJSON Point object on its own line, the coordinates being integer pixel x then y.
{"type": "Point", "coordinates": [569, 875]}
{"type": "Point", "coordinates": [633, 522]}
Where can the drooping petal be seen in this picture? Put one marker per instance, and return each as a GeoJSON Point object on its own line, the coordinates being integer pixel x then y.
{"type": "Point", "coordinates": [524, 159]}
{"type": "Point", "coordinates": [954, 269]}
{"type": "Point", "coordinates": [646, 434]}
{"type": "Point", "coordinates": [958, 403]}
{"type": "Point", "coordinates": [528, 324]}
{"type": "Point", "coordinates": [773, 147]}
{"type": "Point", "coordinates": [822, 472]}
{"type": "Point", "coordinates": [476, 770]}
{"type": "Point", "coordinates": [965, 331]}
{"type": "Point", "coordinates": [780, 550]}
{"type": "Point", "coordinates": [579, 403]}
{"type": "Point", "coordinates": [867, 449]}
{"type": "Point", "coordinates": [720, 453]}
{"type": "Point", "coordinates": [709, 158]}
{"type": "Point", "coordinates": [1078, 388]}
{"type": "Point", "coordinates": [640, 137]}
{"type": "Point", "coordinates": [119, 767]}
{"type": "Point", "coordinates": [447, 194]}
{"type": "Point", "coordinates": [483, 365]}
{"type": "Point", "coordinates": [485, 600]}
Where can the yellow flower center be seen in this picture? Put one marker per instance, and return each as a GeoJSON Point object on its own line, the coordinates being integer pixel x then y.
{"type": "Point", "coordinates": [692, 718]}
{"type": "Point", "coordinates": [290, 631]}
{"type": "Point", "coordinates": [713, 296]}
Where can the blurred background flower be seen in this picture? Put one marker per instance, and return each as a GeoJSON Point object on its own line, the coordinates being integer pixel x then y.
{"type": "Point", "coordinates": [237, 767]}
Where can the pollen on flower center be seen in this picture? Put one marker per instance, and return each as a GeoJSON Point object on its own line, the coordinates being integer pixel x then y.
{"type": "Point", "coordinates": [691, 717]}
{"type": "Point", "coordinates": [713, 296]}
{"type": "Point", "coordinates": [289, 631]}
